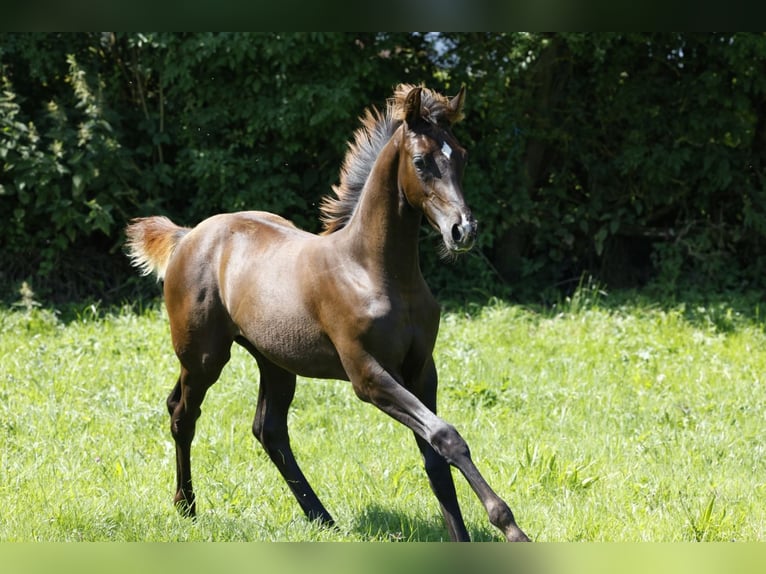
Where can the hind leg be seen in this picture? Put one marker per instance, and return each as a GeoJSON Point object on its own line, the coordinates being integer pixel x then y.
{"type": "Point", "coordinates": [184, 405]}
{"type": "Point", "coordinates": [202, 333]}
{"type": "Point", "coordinates": [276, 391]}
{"type": "Point", "coordinates": [199, 370]}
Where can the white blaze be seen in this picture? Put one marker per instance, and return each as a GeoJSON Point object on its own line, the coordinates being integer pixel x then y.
{"type": "Point", "coordinates": [447, 150]}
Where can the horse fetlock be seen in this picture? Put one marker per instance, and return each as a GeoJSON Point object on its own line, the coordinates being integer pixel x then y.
{"type": "Point", "coordinates": [500, 515]}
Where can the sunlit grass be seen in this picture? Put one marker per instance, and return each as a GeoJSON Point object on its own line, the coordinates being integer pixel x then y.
{"type": "Point", "coordinates": [595, 420]}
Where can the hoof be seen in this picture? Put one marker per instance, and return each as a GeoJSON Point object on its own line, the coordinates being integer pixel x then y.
{"type": "Point", "coordinates": [515, 534]}
{"type": "Point", "coordinates": [186, 507]}
{"type": "Point", "coordinates": [322, 518]}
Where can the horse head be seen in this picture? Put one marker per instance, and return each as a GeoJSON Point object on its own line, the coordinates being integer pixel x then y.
{"type": "Point", "coordinates": [431, 166]}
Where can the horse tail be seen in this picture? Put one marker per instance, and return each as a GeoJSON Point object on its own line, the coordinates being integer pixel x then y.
{"type": "Point", "coordinates": [151, 242]}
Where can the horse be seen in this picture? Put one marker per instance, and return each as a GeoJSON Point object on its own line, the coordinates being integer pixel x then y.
{"type": "Point", "coordinates": [348, 303]}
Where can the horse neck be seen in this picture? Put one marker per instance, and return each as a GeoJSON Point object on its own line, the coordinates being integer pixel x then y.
{"type": "Point", "coordinates": [384, 228]}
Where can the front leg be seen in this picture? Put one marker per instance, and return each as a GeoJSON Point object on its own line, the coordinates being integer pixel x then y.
{"type": "Point", "coordinates": [437, 468]}
{"type": "Point", "coordinates": [442, 485]}
{"type": "Point", "coordinates": [373, 384]}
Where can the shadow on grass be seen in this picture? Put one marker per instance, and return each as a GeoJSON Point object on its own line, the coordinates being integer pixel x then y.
{"type": "Point", "coordinates": [378, 523]}
{"type": "Point", "coordinates": [724, 312]}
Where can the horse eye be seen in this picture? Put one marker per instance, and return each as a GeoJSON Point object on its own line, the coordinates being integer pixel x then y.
{"type": "Point", "coordinates": [420, 163]}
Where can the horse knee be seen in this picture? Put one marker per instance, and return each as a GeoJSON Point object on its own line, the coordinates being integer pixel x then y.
{"type": "Point", "coordinates": [449, 444]}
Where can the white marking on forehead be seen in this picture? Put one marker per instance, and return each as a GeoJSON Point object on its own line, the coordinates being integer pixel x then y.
{"type": "Point", "coordinates": [447, 150]}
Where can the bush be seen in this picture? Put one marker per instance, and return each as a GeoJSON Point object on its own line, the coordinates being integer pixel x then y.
{"type": "Point", "coordinates": [63, 164]}
{"type": "Point", "coordinates": [635, 158]}
{"type": "Point", "coordinates": [629, 156]}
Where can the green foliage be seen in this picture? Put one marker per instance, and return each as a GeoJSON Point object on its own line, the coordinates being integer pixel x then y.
{"type": "Point", "coordinates": [257, 121]}
{"type": "Point", "coordinates": [630, 156]}
{"type": "Point", "coordinates": [633, 158]}
{"type": "Point", "coordinates": [61, 162]}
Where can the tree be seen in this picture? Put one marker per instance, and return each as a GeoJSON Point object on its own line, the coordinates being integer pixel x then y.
{"type": "Point", "coordinates": [631, 157]}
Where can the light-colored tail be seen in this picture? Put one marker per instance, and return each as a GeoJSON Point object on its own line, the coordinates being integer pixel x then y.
{"type": "Point", "coordinates": [151, 242]}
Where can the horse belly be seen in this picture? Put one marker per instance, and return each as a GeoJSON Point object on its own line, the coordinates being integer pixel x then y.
{"type": "Point", "coordinates": [297, 346]}
{"type": "Point", "coordinates": [271, 314]}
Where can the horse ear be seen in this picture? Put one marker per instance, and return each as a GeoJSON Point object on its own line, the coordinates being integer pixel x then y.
{"type": "Point", "coordinates": [456, 103]}
{"type": "Point", "coordinates": [412, 111]}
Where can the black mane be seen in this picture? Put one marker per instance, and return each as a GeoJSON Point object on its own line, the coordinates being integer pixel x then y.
{"type": "Point", "coordinates": [362, 152]}
{"type": "Point", "coordinates": [377, 128]}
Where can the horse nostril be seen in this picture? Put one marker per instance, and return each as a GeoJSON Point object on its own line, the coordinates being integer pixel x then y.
{"type": "Point", "coordinates": [457, 233]}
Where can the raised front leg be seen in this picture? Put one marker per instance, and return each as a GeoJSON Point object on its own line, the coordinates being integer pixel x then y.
{"type": "Point", "coordinates": [372, 383]}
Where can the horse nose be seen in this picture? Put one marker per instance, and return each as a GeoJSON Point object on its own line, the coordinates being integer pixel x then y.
{"type": "Point", "coordinates": [464, 233]}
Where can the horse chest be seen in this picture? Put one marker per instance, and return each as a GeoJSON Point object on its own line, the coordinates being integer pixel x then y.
{"type": "Point", "coordinates": [368, 312]}
{"type": "Point", "coordinates": [399, 333]}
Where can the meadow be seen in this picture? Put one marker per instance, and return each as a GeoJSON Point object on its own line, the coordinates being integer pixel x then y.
{"type": "Point", "coordinates": [602, 418]}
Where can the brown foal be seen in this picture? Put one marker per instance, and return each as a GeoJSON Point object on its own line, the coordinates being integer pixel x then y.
{"type": "Point", "coordinates": [350, 303]}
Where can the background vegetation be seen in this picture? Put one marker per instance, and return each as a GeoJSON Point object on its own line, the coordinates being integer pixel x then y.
{"type": "Point", "coordinates": [636, 158]}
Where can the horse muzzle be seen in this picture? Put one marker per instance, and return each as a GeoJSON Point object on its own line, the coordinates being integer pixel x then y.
{"type": "Point", "coordinates": [463, 234]}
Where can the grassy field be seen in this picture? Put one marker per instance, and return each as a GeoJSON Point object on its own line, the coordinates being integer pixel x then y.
{"type": "Point", "coordinates": [598, 420]}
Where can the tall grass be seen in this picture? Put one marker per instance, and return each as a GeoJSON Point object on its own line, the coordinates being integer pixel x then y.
{"type": "Point", "coordinates": [597, 419]}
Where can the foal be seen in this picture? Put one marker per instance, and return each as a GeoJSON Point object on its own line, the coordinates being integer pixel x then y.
{"type": "Point", "coordinates": [348, 304]}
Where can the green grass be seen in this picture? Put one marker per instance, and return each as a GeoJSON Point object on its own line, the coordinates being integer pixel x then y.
{"type": "Point", "coordinates": [600, 419]}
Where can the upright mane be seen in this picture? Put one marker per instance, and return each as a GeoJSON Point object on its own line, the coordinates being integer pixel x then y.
{"type": "Point", "coordinates": [375, 131]}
